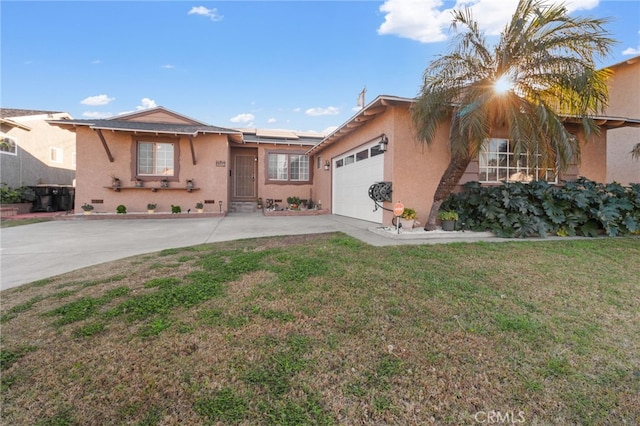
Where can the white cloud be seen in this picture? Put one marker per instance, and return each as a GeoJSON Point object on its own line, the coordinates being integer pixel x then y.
{"type": "Point", "coordinates": [297, 109]}
{"type": "Point", "coordinates": [242, 118]}
{"type": "Point", "coordinates": [96, 114]}
{"type": "Point", "coordinates": [427, 21]}
{"type": "Point", "coordinates": [314, 112]}
{"type": "Point", "coordinates": [96, 62]}
{"type": "Point", "coordinates": [167, 66]}
{"type": "Point", "coordinates": [329, 129]}
{"type": "Point", "coordinates": [97, 100]}
{"type": "Point", "coordinates": [203, 11]}
{"type": "Point", "coordinates": [146, 104]}
{"type": "Point", "coordinates": [271, 120]}
{"type": "Point", "coordinates": [631, 51]}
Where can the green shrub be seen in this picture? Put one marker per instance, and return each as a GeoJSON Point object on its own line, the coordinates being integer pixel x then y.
{"type": "Point", "coordinates": [121, 209]}
{"type": "Point", "coordinates": [517, 209]}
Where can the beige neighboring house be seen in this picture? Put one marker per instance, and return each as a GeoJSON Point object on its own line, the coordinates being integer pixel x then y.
{"type": "Point", "coordinates": [624, 101]}
{"type": "Point", "coordinates": [34, 152]}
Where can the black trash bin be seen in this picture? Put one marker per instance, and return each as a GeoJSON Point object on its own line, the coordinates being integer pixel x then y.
{"type": "Point", "coordinates": [64, 198]}
{"type": "Point", "coordinates": [44, 200]}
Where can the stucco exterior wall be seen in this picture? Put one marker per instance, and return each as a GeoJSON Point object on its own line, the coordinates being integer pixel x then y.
{"type": "Point", "coordinates": [95, 171]}
{"type": "Point", "coordinates": [624, 89]}
{"type": "Point", "coordinates": [593, 164]}
{"type": "Point", "coordinates": [32, 163]}
{"type": "Point", "coordinates": [416, 167]}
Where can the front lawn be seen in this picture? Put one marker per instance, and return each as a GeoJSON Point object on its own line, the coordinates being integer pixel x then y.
{"type": "Point", "coordinates": [324, 329]}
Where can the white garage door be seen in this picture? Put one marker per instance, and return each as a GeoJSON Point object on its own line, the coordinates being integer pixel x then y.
{"type": "Point", "coordinates": [353, 173]}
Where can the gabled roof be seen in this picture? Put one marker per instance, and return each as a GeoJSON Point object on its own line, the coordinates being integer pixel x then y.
{"type": "Point", "coordinates": [373, 109]}
{"type": "Point", "coordinates": [135, 123]}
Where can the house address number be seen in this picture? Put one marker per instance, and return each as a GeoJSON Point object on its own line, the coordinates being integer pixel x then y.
{"type": "Point", "coordinates": [221, 164]}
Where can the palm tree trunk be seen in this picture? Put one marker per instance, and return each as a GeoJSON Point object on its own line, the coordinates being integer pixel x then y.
{"type": "Point", "coordinates": [450, 178]}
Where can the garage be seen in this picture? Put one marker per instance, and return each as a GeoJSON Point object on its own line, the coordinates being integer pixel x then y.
{"type": "Point", "coordinates": [353, 173]}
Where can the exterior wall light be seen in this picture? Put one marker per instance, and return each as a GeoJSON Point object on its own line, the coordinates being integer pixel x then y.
{"type": "Point", "coordinates": [327, 165]}
{"type": "Point", "coordinates": [384, 141]}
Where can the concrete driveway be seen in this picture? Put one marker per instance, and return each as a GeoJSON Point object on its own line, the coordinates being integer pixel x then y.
{"type": "Point", "coordinates": [41, 250]}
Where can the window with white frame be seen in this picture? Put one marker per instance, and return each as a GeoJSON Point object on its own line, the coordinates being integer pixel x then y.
{"type": "Point", "coordinates": [498, 163]}
{"type": "Point", "coordinates": [55, 154]}
{"type": "Point", "coordinates": [8, 144]}
{"type": "Point", "coordinates": [288, 167]}
{"type": "Point", "coordinates": [156, 159]}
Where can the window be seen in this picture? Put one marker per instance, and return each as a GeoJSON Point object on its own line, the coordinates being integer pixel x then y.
{"type": "Point", "coordinates": [362, 155]}
{"type": "Point", "coordinates": [8, 145]}
{"type": "Point", "coordinates": [340, 163]}
{"type": "Point", "coordinates": [498, 163]}
{"type": "Point", "coordinates": [319, 163]}
{"type": "Point", "coordinates": [288, 167]}
{"type": "Point", "coordinates": [55, 155]}
{"type": "Point", "coordinates": [349, 160]}
{"type": "Point", "coordinates": [156, 159]}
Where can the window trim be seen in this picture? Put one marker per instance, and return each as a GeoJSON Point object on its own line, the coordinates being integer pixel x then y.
{"type": "Point", "coordinates": [59, 155]}
{"type": "Point", "coordinates": [155, 178]}
{"type": "Point", "coordinates": [288, 181]}
{"type": "Point", "coordinates": [15, 144]}
{"type": "Point", "coordinates": [510, 169]}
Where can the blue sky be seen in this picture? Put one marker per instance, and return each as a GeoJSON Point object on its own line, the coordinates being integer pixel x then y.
{"type": "Point", "coordinates": [296, 65]}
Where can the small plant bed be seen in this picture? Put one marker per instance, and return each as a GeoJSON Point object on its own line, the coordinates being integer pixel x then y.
{"type": "Point", "coordinates": [299, 212]}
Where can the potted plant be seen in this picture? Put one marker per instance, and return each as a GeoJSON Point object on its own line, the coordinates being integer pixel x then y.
{"type": "Point", "coordinates": [448, 219]}
{"type": "Point", "coordinates": [164, 183]}
{"type": "Point", "coordinates": [139, 183]}
{"type": "Point", "coordinates": [259, 203]}
{"type": "Point", "coordinates": [88, 208]}
{"type": "Point", "coordinates": [116, 184]}
{"type": "Point", "coordinates": [175, 209]}
{"type": "Point", "coordinates": [294, 202]}
{"type": "Point", "coordinates": [121, 209]}
{"type": "Point", "coordinates": [151, 207]}
{"type": "Point", "coordinates": [408, 218]}
{"type": "Point", "coordinates": [189, 184]}
{"type": "Point", "coordinates": [199, 207]}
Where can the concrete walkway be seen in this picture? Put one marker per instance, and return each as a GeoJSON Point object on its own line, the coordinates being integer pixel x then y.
{"type": "Point", "coordinates": [41, 250]}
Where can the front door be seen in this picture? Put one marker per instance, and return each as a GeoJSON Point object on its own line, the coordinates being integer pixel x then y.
{"type": "Point", "coordinates": [245, 182]}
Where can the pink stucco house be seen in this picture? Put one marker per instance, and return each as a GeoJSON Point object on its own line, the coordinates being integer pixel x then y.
{"type": "Point", "coordinates": [231, 169]}
{"type": "Point", "coordinates": [162, 157]}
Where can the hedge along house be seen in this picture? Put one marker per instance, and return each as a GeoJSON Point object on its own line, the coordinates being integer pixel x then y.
{"type": "Point", "coordinates": [379, 144]}
{"type": "Point", "coordinates": [165, 158]}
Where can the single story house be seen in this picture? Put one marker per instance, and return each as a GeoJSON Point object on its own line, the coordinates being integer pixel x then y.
{"type": "Point", "coordinates": [34, 152]}
{"type": "Point", "coordinates": [163, 157]}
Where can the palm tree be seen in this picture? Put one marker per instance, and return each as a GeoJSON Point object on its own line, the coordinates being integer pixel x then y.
{"type": "Point", "coordinates": [635, 152]}
{"type": "Point", "coordinates": [544, 59]}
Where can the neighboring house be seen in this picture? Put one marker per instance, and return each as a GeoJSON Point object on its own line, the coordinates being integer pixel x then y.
{"type": "Point", "coordinates": [379, 144]}
{"type": "Point", "coordinates": [624, 92]}
{"type": "Point", "coordinates": [230, 168]}
{"type": "Point", "coordinates": [34, 152]}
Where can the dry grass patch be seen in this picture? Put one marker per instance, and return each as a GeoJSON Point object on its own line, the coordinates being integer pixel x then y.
{"type": "Point", "coordinates": [326, 330]}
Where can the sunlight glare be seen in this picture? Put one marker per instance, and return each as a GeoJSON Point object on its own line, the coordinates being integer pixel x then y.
{"type": "Point", "coordinates": [503, 84]}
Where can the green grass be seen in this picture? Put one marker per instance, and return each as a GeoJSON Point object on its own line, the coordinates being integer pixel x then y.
{"type": "Point", "coordinates": [327, 330]}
